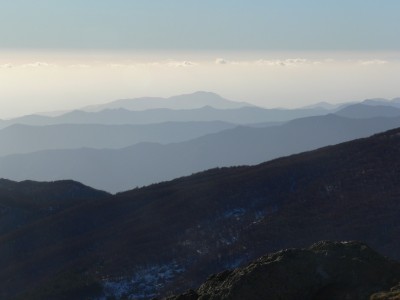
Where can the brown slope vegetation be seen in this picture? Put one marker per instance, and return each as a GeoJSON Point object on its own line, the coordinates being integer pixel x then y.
{"type": "Point", "coordinates": [210, 221]}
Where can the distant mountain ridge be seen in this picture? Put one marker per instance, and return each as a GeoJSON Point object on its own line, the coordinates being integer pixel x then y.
{"type": "Point", "coordinates": [147, 163]}
{"type": "Point", "coordinates": [395, 102]}
{"type": "Point", "coordinates": [186, 101]}
{"type": "Point", "coordinates": [25, 138]}
{"type": "Point", "coordinates": [243, 115]}
{"type": "Point", "coordinates": [198, 106]}
{"type": "Point", "coordinates": [328, 106]}
{"type": "Point", "coordinates": [193, 101]}
{"type": "Point", "coordinates": [365, 111]}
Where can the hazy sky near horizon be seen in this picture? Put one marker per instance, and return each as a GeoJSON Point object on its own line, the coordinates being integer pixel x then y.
{"type": "Point", "coordinates": [57, 55]}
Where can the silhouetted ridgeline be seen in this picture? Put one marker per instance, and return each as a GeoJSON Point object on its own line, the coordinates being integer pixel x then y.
{"type": "Point", "coordinates": [27, 201]}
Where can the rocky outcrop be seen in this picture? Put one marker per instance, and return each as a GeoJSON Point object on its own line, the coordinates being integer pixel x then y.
{"type": "Point", "coordinates": [393, 294]}
{"type": "Point", "coordinates": [326, 270]}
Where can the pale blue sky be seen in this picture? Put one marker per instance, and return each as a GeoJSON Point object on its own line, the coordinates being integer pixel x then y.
{"type": "Point", "coordinates": [361, 25]}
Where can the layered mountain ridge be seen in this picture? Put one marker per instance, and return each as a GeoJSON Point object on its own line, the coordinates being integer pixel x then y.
{"type": "Point", "coordinates": [169, 237]}
{"type": "Point", "coordinates": [64, 240]}
{"type": "Point", "coordinates": [138, 150]}
{"type": "Point", "coordinates": [148, 163]}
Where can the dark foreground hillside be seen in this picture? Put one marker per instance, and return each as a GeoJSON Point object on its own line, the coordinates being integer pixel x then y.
{"type": "Point", "coordinates": [169, 237]}
{"type": "Point", "coordinates": [324, 271]}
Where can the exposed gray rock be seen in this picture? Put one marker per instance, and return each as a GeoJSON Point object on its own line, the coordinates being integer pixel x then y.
{"type": "Point", "coordinates": [327, 270]}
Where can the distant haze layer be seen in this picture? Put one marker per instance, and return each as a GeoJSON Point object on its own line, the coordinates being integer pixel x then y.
{"type": "Point", "coordinates": [33, 82]}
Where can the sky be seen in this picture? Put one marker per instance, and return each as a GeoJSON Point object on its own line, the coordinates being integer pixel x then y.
{"type": "Point", "coordinates": [58, 54]}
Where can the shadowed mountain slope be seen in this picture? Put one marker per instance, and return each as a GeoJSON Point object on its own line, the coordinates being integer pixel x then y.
{"type": "Point", "coordinates": [170, 236]}
{"type": "Point", "coordinates": [27, 201]}
{"type": "Point", "coordinates": [42, 194]}
{"type": "Point", "coordinates": [146, 163]}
